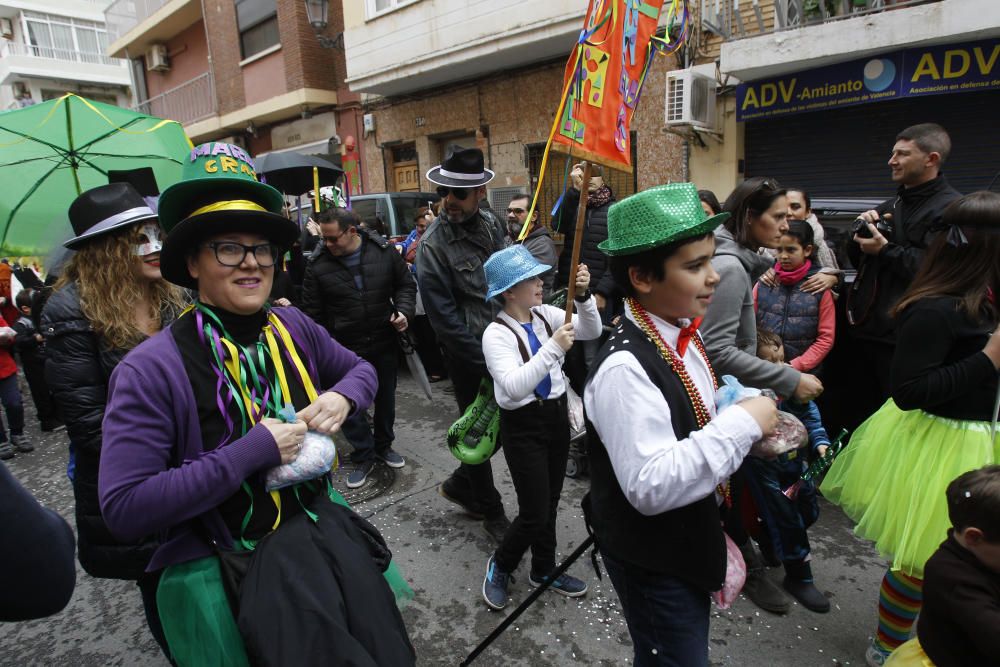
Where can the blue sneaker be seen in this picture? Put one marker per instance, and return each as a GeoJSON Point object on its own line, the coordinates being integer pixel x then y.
{"type": "Point", "coordinates": [359, 475]}
{"type": "Point", "coordinates": [495, 585]}
{"type": "Point", "coordinates": [565, 584]}
{"type": "Point", "coordinates": [391, 458]}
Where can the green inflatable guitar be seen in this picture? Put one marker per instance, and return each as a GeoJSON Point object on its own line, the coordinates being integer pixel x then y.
{"type": "Point", "coordinates": [473, 437]}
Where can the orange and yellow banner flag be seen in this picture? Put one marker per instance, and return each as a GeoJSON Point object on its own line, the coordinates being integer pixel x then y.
{"type": "Point", "coordinates": [603, 79]}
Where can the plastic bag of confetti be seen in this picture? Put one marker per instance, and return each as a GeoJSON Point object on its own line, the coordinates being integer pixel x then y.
{"type": "Point", "coordinates": [736, 576]}
{"type": "Point", "coordinates": [316, 458]}
{"type": "Point", "coordinates": [790, 433]}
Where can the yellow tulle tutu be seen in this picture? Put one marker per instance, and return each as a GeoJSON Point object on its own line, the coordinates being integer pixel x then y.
{"type": "Point", "coordinates": [892, 477]}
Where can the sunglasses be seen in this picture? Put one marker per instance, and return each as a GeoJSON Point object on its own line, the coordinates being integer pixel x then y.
{"type": "Point", "coordinates": [461, 194]}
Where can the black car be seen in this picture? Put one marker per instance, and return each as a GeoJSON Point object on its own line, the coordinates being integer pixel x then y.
{"type": "Point", "coordinates": [837, 216]}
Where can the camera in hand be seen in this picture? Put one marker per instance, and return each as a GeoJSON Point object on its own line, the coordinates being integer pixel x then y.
{"type": "Point", "coordinates": [860, 228]}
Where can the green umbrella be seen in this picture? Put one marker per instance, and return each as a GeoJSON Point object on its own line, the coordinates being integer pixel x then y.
{"type": "Point", "coordinates": [51, 152]}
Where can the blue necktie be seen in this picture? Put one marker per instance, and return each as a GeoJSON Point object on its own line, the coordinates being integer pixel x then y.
{"type": "Point", "coordinates": [545, 386]}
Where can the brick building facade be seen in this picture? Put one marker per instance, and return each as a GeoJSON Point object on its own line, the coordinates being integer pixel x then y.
{"type": "Point", "coordinates": [508, 115]}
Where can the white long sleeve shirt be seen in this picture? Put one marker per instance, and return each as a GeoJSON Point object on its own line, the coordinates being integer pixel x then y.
{"type": "Point", "coordinates": [656, 471]}
{"type": "Point", "coordinates": [514, 381]}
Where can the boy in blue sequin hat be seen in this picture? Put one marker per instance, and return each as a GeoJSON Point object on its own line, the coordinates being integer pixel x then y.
{"type": "Point", "coordinates": [524, 349]}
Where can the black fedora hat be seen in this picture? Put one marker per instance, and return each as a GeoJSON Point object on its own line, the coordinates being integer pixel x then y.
{"type": "Point", "coordinates": [462, 168]}
{"type": "Point", "coordinates": [104, 209]}
{"type": "Point", "coordinates": [142, 179]}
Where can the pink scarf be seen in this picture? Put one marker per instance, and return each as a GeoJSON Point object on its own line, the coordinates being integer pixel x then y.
{"type": "Point", "coordinates": [794, 276]}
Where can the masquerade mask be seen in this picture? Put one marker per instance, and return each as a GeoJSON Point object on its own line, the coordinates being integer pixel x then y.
{"type": "Point", "coordinates": [153, 241]}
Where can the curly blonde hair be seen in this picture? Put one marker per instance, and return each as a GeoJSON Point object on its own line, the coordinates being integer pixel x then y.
{"type": "Point", "coordinates": [104, 272]}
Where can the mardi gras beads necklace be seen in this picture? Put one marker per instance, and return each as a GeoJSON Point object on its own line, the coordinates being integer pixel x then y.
{"type": "Point", "coordinates": [243, 379]}
{"type": "Point", "coordinates": [701, 414]}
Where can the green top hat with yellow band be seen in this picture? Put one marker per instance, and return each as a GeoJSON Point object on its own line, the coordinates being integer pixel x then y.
{"type": "Point", "coordinates": [218, 193]}
{"type": "Point", "coordinates": [655, 217]}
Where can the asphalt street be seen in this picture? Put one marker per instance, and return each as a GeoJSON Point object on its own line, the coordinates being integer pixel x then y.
{"type": "Point", "coordinates": [443, 554]}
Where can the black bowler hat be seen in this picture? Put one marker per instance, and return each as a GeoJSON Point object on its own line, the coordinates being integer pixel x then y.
{"type": "Point", "coordinates": [462, 168]}
{"type": "Point", "coordinates": [104, 209]}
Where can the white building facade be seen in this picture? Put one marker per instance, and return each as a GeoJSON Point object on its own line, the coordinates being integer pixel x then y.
{"type": "Point", "coordinates": [51, 47]}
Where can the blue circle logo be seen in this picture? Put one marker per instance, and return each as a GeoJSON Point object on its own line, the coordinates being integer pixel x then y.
{"type": "Point", "coordinates": [879, 74]}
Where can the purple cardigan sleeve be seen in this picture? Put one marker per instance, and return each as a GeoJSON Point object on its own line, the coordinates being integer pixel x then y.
{"type": "Point", "coordinates": [141, 490]}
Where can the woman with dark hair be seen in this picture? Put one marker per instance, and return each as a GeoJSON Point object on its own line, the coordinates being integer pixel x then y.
{"type": "Point", "coordinates": [828, 271]}
{"type": "Point", "coordinates": [758, 219]}
{"type": "Point", "coordinates": [709, 202]}
{"type": "Point", "coordinates": [202, 421]}
{"type": "Point", "coordinates": [937, 423]}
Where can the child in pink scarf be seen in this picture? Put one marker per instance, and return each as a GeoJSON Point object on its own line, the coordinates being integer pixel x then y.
{"type": "Point", "coordinates": [805, 322]}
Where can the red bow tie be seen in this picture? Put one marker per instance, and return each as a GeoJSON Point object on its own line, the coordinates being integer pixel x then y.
{"type": "Point", "coordinates": [686, 334]}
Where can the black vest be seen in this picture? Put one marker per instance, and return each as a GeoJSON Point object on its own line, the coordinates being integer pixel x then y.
{"type": "Point", "coordinates": [686, 542]}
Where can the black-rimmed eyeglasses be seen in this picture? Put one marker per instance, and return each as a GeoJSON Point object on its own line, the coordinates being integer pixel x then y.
{"type": "Point", "coordinates": [232, 254]}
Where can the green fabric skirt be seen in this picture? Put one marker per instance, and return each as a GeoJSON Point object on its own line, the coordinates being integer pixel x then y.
{"type": "Point", "coordinates": [198, 622]}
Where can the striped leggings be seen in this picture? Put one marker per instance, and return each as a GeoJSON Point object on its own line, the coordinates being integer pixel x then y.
{"type": "Point", "coordinates": [899, 602]}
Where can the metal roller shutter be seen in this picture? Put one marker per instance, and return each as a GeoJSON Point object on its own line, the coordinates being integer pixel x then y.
{"type": "Point", "coordinates": [843, 152]}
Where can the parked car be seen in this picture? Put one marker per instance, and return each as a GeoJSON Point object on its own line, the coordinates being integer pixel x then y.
{"type": "Point", "coordinates": [837, 216]}
{"type": "Point", "coordinates": [395, 210]}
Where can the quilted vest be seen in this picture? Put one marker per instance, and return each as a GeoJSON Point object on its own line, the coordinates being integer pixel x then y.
{"type": "Point", "coordinates": [791, 313]}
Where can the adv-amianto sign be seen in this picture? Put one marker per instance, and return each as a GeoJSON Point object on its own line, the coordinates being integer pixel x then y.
{"type": "Point", "coordinates": [933, 70]}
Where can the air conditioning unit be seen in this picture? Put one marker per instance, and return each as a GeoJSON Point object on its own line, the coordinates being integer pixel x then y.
{"type": "Point", "coordinates": [156, 58]}
{"type": "Point", "coordinates": [690, 99]}
{"type": "Point", "coordinates": [6, 29]}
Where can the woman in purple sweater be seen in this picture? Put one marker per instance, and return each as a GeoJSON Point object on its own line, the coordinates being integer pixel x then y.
{"type": "Point", "coordinates": [192, 427]}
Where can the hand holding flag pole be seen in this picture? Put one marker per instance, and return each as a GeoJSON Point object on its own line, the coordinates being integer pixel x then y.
{"type": "Point", "coordinates": [581, 216]}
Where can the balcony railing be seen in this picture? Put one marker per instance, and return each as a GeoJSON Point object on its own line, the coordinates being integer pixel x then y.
{"type": "Point", "coordinates": [52, 53]}
{"type": "Point", "coordinates": [123, 15]}
{"type": "Point", "coordinates": [189, 102]}
{"type": "Point", "coordinates": [736, 19]}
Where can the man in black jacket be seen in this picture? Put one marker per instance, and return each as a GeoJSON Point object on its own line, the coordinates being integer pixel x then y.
{"type": "Point", "coordinates": [359, 288]}
{"type": "Point", "coordinates": [888, 261]}
{"type": "Point", "coordinates": [452, 283]}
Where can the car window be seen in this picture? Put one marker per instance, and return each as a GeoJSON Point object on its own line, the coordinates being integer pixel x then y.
{"type": "Point", "coordinates": [368, 209]}
{"type": "Point", "coordinates": [837, 230]}
{"type": "Point", "coordinates": [406, 209]}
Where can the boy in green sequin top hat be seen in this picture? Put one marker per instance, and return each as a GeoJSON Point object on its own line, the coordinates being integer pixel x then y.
{"type": "Point", "coordinates": [660, 456]}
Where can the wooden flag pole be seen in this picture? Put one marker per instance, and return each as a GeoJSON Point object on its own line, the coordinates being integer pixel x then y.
{"type": "Point", "coordinates": [581, 217]}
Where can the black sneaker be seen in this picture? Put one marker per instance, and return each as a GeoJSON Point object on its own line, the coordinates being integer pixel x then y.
{"type": "Point", "coordinates": [6, 451]}
{"type": "Point", "coordinates": [564, 584]}
{"type": "Point", "coordinates": [497, 527]}
{"type": "Point", "coordinates": [447, 492]}
{"type": "Point", "coordinates": [21, 443]}
{"type": "Point", "coordinates": [391, 458]}
{"type": "Point", "coordinates": [360, 474]}
{"type": "Point", "coordinates": [807, 594]}
{"type": "Point", "coordinates": [495, 585]}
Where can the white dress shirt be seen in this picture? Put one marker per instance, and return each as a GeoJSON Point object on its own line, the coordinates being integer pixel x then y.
{"type": "Point", "coordinates": [514, 381]}
{"type": "Point", "coordinates": [656, 471]}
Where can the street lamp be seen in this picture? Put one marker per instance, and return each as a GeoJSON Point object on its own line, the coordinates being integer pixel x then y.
{"type": "Point", "coordinates": [318, 12]}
